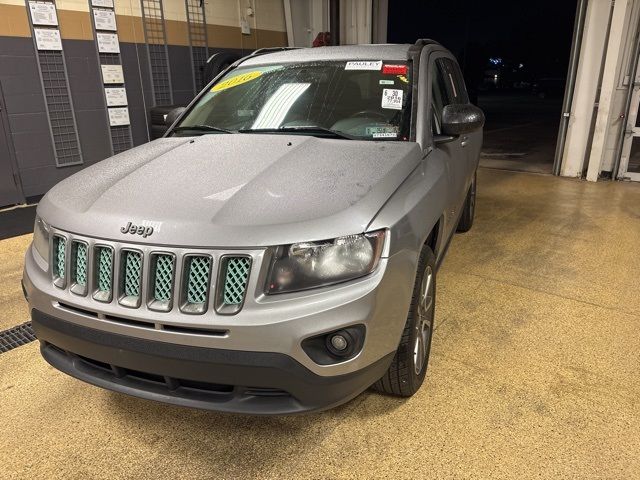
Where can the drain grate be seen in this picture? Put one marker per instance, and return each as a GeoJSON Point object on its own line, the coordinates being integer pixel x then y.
{"type": "Point", "coordinates": [16, 337]}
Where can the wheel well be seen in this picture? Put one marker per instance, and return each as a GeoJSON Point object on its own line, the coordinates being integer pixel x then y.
{"type": "Point", "coordinates": [432, 238]}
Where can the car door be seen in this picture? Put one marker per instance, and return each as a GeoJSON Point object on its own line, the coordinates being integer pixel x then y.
{"type": "Point", "coordinates": [443, 94]}
{"type": "Point", "coordinates": [471, 142]}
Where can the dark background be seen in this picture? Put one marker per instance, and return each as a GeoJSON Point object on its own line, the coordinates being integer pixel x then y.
{"type": "Point", "coordinates": [521, 92]}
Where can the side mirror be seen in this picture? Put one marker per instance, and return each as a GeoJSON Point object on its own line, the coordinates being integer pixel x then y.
{"type": "Point", "coordinates": [461, 119]}
{"type": "Point", "coordinates": [173, 115]}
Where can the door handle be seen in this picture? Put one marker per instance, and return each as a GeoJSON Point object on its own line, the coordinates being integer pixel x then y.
{"type": "Point", "coordinates": [464, 141]}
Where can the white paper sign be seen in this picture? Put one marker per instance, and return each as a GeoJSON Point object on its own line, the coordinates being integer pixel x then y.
{"type": "Point", "coordinates": [48, 39]}
{"type": "Point", "coordinates": [364, 65]}
{"type": "Point", "coordinates": [116, 96]}
{"type": "Point", "coordinates": [392, 98]}
{"type": "Point", "coordinates": [112, 74]}
{"type": "Point", "coordinates": [118, 116]}
{"type": "Point", "coordinates": [102, 3]}
{"type": "Point", "coordinates": [43, 13]}
{"type": "Point", "coordinates": [108, 42]}
{"type": "Point", "coordinates": [104, 19]}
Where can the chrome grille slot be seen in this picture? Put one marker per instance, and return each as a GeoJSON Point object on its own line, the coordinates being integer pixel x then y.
{"type": "Point", "coordinates": [79, 267]}
{"type": "Point", "coordinates": [232, 283]}
{"type": "Point", "coordinates": [196, 281]}
{"type": "Point", "coordinates": [161, 285]}
{"type": "Point", "coordinates": [130, 278]}
{"type": "Point", "coordinates": [103, 276]}
{"type": "Point", "coordinates": [59, 260]}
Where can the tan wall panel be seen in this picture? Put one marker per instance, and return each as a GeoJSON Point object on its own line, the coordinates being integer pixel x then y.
{"type": "Point", "coordinates": [177, 32]}
{"type": "Point", "coordinates": [14, 21]}
{"type": "Point", "coordinates": [130, 29]}
{"type": "Point", "coordinates": [271, 38]}
{"type": "Point", "coordinates": [75, 25]}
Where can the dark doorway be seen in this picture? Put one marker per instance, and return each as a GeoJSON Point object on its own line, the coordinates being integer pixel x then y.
{"type": "Point", "coordinates": [515, 58]}
{"type": "Point", "coordinates": [10, 192]}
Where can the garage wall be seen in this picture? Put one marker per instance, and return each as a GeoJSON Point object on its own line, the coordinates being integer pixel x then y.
{"type": "Point", "coordinates": [25, 103]}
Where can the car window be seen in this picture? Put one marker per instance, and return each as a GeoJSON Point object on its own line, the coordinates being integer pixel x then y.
{"type": "Point", "coordinates": [366, 100]}
{"type": "Point", "coordinates": [440, 95]}
{"type": "Point", "coordinates": [455, 83]}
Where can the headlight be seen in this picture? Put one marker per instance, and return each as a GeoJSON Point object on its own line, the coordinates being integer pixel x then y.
{"type": "Point", "coordinates": [41, 238]}
{"type": "Point", "coordinates": [315, 264]}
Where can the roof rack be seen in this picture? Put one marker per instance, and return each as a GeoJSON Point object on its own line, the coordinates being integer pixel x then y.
{"type": "Point", "coordinates": [264, 51]}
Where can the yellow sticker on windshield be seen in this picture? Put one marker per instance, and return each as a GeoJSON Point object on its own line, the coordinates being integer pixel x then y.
{"type": "Point", "coordinates": [235, 81]}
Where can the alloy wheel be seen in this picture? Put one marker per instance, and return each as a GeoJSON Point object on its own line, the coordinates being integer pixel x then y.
{"type": "Point", "coordinates": [424, 321]}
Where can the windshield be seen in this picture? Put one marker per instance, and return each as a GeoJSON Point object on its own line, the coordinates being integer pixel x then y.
{"type": "Point", "coordinates": [364, 100]}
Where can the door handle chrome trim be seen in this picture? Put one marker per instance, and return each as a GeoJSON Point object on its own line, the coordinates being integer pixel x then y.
{"type": "Point", "coordinates": [464, 142]}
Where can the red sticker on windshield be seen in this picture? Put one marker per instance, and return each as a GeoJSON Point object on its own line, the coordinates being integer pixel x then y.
{"type": "Point", "coordinates": [394, 69]}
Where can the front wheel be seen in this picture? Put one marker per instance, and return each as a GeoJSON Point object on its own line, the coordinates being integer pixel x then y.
{"type": "Point", "coordinates": [409, 366]}
{"type": "Point", "coordinates": [469, 212]}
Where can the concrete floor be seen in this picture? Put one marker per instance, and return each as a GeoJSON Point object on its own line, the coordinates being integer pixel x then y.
{"type": "Point", "coordinates": [534, 370]}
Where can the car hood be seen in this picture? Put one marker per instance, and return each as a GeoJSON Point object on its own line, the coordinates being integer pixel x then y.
{"type": "Point", "coordinates": [242, 190]}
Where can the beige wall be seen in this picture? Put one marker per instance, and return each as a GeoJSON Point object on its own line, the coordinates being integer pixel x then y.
{"type": "Point", "coordinates": [267, 22]}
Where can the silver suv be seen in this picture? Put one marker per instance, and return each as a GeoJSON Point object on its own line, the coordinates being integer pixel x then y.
{"type": "Point", "coordinates": [276, 252]}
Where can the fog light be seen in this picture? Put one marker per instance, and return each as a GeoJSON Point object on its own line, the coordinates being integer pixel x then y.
{"type": "Point", "coordinates": [339, 342]}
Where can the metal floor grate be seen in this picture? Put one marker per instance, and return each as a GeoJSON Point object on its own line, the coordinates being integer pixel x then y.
{"type": "Point", "coordinates": [16, 337]}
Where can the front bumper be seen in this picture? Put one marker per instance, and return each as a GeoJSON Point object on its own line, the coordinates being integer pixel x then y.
{"type": "Point", "coordinates": [214, 379]}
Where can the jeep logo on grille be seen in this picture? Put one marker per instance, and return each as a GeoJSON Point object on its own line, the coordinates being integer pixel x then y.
{"type": "Point", "coordinates": [137, 230]}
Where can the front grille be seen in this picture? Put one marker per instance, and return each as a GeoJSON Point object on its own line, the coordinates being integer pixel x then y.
{"type": "Point", "coordinates": [163, 284]}
{"type": "Point", "coordinates": [59, 256]}
{"type": "Point", "coordinates": [80, 263]}
{"type": "Point", "coordinates": [103, 276]}
{"type": "Point", "coordinates": [132, 273]}
{"type": "Point", "coordinates": [199, 270]}
{"type": "Point", "coordinates": [235, 282]}
{"type": "Point", "coordinates": [104, 257]}
{"type": "Point", "coordinates": [131, 278]}
{"type": "Point", "coordinates": [169, 280]}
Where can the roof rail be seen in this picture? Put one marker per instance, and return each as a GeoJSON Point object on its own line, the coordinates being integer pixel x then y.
{"type": "Point", "coordinates": [264, 51]}
{"type": "Point", "coordinates": [422, 42]}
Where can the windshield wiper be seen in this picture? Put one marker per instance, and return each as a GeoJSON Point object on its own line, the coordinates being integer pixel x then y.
{"type": "Point", "coordinates": [201, 128]}
{"type": "Point", "coordinates": [300, 129]}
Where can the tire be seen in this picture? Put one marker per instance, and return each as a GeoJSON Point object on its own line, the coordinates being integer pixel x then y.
{"type": "Point", "coordinates": [409, 365]}
{"type": "Point", "coordinates": [466, 219]}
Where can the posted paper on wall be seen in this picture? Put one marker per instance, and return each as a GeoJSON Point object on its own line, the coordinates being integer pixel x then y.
{"type": "Point", "coordinates": [47, 39]}
{"type": "Point", "coordinates": [43, 13]}
{"type": "Point", "coordinates": [112, 74]}
{"type": "Point", "coordinates": [105, 19]}
{"type": "Point", "coordinates": [108, 42]}
{"type": "Point", "coordinates": [118, 116]}
{"type": "Point", "coordinates": [116, 96]}
{"type": "Point", "coordinates": [102, 3]}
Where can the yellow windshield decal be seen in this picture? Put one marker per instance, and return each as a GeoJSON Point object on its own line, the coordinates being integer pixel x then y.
{"type": "Point", "coordinates": [235, 81]}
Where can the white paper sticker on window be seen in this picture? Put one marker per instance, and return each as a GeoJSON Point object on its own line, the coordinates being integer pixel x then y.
{"type": "Point", "coordinates": [392, 98]}
{"type": "Point", "coordinates": [43, 13]}
{"type": "Point", "coordinates": [116, 96]}
{"type": "Point", "coordinates": [118, 116]}
{"type": "Point", "coordinates": [112, 74]}
{"type": "Point", "coordinates": [108, 43]}
{"type": "Point", "coordinates": [48, 39]}
{"type": "Point", "coordinates": [386, 82]}
{"type": "Point", "coordinates": [364, 65]}
{"type": "Point", "coordinates": [104, 19]}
